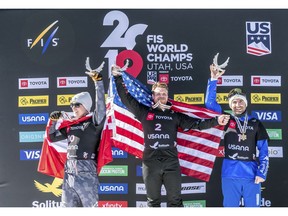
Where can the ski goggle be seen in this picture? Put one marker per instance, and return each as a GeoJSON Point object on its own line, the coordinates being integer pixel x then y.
{"type": "Point", "coordinates": [76, 105]}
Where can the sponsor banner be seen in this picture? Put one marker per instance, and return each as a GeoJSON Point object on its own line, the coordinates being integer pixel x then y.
{"type": "Point", "coordinates": [33, 101]}
{"type": "Point", "coordinates": [190, 98]}
{"type": "Point", "coordinates": [118, 153]}
{"type": "Point", "coordinates": [33, 83]}
{"type": "Point", "coordinates": [33, 118]}
{"type": "Point", "coordinates": [230, 81]}
{"type": "Point", "coordinates": [112, 204]}
{"type": "Point", "coordinates": [275, 134]}
{"type": "Point", "coordinates": [64, 100]}
{"type": "Point", "coordinates": [265, 98]}
{"type": "Point", "coordinates": [222, 98]}
{"type": "Point", "coordinates": [141, 189]}
{"type": "Point", "coordinates": [143, 204]}
{"type": "Point", "coordinates": [258, 80]}
{"type": "Point", "coordinates": [151, 77]}
{"type": "Point", "coordinates": [263, 202]}
{"type": "Point", "coordinates": [72, 82]}
{"type": "Point", "coordinates": [31, 136]}
{"type": "Point", "coordinates": [267, 115]}
{"type": "Point", "coordinates": [221, 152]}
{"type": "Point", "coordinates": [274, 152]}
{"type": "Point", "coordinates": [30, 154]}
{"type": "Point", "coordinates": [164, 77]}
{"type": "Point", "coordinates": [113, 188]}
{"type": "Point", "coordinates": [186, 188]}
{"type": "Point", "coordinates": [46, 204]}
{"type": "Point", "coordinates": [193, 187]}
{"type": "Point", "coordinates": [114, 170]}
{"type": "Point", "coordinates": [139, 170]}
{"type": "Point", "coordinates": [194, 203]}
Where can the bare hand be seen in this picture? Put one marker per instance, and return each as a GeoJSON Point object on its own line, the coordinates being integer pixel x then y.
{"type": "Point", "coordinates": [223, 119]}
{"type": "Point", "coordinates": [215, 73]}
{"type": "Point", "coordinates": [115, 70]}
{"type": "Point", "coordinates": [258, 180]}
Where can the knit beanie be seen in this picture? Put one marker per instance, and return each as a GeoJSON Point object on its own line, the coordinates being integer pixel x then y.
{"type": "Point", "coordinates": [84, 98]}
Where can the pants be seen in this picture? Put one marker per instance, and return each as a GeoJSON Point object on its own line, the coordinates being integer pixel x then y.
{"type": "Point", "coordinates": [80, 188]}
{"type": "Point", "coordinates": [234, 189]}
{"type": "Point", "coordinates": [164, 171]}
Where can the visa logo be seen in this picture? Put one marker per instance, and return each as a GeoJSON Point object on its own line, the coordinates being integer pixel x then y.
{"type": "Point", "coordinates": [113, 188]}
{"type": "Point", "coordinates": [265, 115]}
{"type": "Point", "coordinates": [32, 154]}
{"type": "Point", "coordinates": [33, 118]}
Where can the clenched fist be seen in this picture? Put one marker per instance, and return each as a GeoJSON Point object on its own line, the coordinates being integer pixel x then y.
{"type": "Point", "coordinates": [55, 115]}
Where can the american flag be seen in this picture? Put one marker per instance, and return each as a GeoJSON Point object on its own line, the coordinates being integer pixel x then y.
{"type": "Point", "coordinates": [197, 150]}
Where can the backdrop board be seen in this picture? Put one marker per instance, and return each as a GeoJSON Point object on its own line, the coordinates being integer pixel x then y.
{"type": "Point", "coordinates": [42, 65]}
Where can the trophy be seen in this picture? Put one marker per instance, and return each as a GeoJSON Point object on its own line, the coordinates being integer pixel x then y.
{"type": "Point", "coordinates": [222, 66]}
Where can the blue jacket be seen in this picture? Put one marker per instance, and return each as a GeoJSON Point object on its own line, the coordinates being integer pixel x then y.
{"type": "Point", "coordinates": [240, 156]}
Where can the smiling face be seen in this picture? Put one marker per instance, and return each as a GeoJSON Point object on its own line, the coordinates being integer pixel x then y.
{"type": "Point", "coordinates": [238, 106]}
{"type": "Point", "coordinates": [160, 92]}
{"type": "Point", "coordinates": [78, 110]}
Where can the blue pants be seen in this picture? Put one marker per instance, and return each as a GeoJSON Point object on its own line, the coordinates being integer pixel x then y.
{"type": "Point", "coordinates": [234, 189]}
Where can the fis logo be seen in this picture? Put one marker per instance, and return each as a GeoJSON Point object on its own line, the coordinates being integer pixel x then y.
{"type": "Point", "coordinates": [258, 38]}
{"type": "Point", "coordinates": [40, 38]}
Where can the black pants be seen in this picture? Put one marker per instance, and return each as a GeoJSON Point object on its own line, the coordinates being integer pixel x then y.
{"type": "Point", "coordinates": [164, 171]}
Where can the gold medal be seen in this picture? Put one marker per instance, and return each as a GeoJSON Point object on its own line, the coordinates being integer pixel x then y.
{"type": "Point", "coordinates": [242, 128]}
{"type": "Point", "coordinates": [243, 136]}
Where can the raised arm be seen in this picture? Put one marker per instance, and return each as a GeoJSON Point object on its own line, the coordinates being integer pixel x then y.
{"type": "Point", "coordinates": [211, 91]}
{"type": "Point", "coordinates": [100, 106]}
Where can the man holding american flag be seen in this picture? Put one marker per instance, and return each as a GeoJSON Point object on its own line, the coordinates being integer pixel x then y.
{"type": "Point", "coordinates": [160, 122]}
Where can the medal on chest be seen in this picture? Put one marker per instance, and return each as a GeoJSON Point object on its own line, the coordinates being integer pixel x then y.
{"type": "Point", "coordinates": [242, 128]}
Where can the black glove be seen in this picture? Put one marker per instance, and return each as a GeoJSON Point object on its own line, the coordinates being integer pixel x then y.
{"type": "Point", "coordinates": [55, 115]}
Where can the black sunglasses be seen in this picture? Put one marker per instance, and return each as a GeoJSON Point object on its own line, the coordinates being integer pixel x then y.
{"type": "Point", "coordinates": [76, 105]}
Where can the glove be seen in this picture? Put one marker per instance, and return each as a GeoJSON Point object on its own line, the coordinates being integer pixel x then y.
{"type": "Point", "coordinates": [55, 115]}
{"type": "Point", "coordinates": [95, 76]}
{"type": "Point", "coordinates": [115, 70]}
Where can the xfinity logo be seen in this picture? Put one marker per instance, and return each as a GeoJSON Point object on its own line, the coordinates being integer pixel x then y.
{"type": "Point", "coordinates": [266, 115]}
{"type": "Point", "coordinates": [112, 204]}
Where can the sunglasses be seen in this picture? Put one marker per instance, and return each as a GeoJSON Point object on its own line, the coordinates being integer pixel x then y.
{"type": "Point", "coordinates": [76, 105]}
